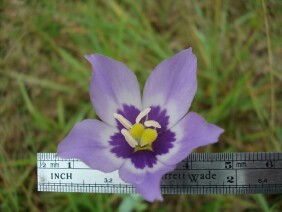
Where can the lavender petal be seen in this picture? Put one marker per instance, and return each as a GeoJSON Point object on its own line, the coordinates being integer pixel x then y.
{"type": "Point", "coordinates": [191, 132]}
{"type": "Point", "coordinates": [89, 142]}
{"type": "Point", "coordinates": [112, 85]}
{"type": "Point", "coordinates": [173, 85]}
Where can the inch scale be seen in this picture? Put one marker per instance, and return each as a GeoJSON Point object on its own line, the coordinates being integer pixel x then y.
{"type": "Point", "coordinates": [199, 173]}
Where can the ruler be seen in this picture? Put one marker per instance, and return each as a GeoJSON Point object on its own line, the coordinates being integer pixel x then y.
{"type": "Point", "coordinates": [200, 173]}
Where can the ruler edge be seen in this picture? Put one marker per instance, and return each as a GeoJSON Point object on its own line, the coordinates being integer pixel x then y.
{"type": "Point", "coordinates": [190, 157]}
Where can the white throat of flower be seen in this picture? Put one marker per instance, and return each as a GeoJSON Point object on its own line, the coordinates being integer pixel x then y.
{"type": "Point", "coordinates": [139, 135]}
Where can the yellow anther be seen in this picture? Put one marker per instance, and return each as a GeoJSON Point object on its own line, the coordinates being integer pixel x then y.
{"type": "Point", "coordinates": [149, 136]}
{"type": "Point", "coordinates": [137, 130]}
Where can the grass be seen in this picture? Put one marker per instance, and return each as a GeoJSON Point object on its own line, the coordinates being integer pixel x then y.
{"type": "Point", "coordinates": [44, 83]}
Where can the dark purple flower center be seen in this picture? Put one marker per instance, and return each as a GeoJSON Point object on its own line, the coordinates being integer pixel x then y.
{"type": "Point", "coordinates": [162, 144]}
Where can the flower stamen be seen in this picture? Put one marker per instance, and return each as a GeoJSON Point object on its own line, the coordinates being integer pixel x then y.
{"type": "Point", "coordinates": [127, 124]}
{"type": "Point", "coordinates": [139, 136]}
{"type": "Point", "coordinates": [128, 137]}
{"type": "Point", "coordinates": [142, 114]}
{"type": "Point", "coordinates": [152, 123]}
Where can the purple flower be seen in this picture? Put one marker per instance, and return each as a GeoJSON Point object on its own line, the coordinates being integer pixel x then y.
{"type": "Point", "coordinates": [142, 138]}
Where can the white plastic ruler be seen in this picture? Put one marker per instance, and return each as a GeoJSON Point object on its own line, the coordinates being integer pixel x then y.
{"type": "Point", "coordinates": [200, 173]}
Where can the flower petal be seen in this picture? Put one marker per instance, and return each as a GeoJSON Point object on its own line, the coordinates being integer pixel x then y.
{"type": "Point", "coordinates": [173, 85]}
{"type": "Point", "coordinates": [147, 180]}
{"type": "Point", "coordinates": [191, 132]}
{"type": "Point", "coordinates": [89, 142]}
{"type": "Point", "coordinates": [112, 85]}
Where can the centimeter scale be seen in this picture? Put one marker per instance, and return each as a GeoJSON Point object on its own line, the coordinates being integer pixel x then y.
{"type": "Point", "coordinates": [200, 173]}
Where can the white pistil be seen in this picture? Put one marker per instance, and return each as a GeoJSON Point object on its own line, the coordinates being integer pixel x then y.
{"type": "Point", "coordinates": [127, 124]}
{"type": "Point", "coordinates": [152, 123]}
{"type": "Point", "coordinates": [130, 140]}
{"type": "Point", "coordinates": [142, 114]}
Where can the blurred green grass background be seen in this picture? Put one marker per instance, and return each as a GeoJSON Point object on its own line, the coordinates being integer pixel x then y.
{"type": "Point", "coordinates": [44, 85]}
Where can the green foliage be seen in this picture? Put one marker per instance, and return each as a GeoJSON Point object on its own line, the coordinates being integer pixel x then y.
{"type": "Point", "coordinates": [44, 82]}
